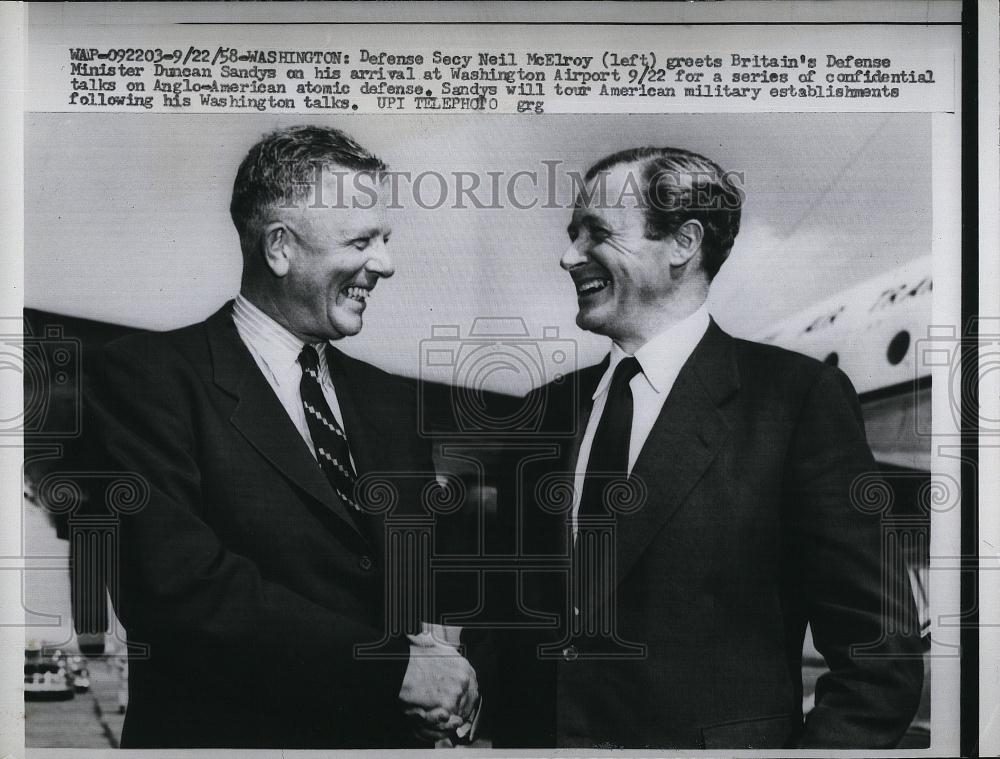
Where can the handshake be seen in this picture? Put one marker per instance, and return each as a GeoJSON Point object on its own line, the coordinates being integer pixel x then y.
{"type": "Point", "coordinates": [440, 692]}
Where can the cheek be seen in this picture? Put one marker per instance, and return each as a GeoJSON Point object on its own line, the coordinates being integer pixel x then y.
{"type": "Point", "coordinates": [345, 267]}
{"type": "Point", "coordinates": [328, 280]}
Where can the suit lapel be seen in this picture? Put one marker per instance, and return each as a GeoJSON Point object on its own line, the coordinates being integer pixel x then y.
{"type": "Point", "coordinates": [363, 409]}
{"type": "Point", "coordinates": [260, 417]}
{"type": "Point", "coordinates": [367, 410]}
{"type": "Point", "coordinates": [686, 437]}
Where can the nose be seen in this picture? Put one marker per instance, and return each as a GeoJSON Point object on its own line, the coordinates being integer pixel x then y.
{"type": "Point", "coordinates": [380, 262]}
{"type": "Point", "coordinates": [572, 257]}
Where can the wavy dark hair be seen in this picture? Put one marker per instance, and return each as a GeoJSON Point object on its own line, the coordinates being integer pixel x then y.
{"type": "Point", "coordinates": [678, 185]}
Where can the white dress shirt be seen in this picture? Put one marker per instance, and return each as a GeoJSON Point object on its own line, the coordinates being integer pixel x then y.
{"type": "Point", "coordinates": [276, 351]}
{"type": "Point", "coordinates": [661, 360]}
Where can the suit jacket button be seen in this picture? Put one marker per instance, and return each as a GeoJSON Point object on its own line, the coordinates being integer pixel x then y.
{"type": "Point", "coordinates": [570, 653]}
{"type": "Point", "coordinates": [365, 563]}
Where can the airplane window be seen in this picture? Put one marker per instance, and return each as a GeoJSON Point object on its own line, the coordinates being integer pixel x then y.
{"type": "Point", "coordinates": [832, 359]}
{"type": "Point", "coordinates": [898, 347]}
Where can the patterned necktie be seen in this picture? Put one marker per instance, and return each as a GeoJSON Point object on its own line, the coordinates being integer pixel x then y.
{"type": "Point", "coordinates": [609, 452]}
{"type": "Point", "coordinates": [328, 436]}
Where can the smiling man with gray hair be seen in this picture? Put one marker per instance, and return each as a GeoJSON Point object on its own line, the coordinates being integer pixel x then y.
{"type": "Point", "coordinates": [255, 572]}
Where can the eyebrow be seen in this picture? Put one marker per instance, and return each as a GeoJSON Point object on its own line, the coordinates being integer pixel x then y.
{"type": "Point", "coordinates": [587, 220]}
{"type": "Point", "coordinates": [366, 232]}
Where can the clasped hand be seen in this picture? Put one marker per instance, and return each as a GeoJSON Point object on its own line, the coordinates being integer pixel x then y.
{"type": "Point", "coordinates": [440, 691]}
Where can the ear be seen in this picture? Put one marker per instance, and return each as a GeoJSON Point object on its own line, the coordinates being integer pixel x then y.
{"type": "Point", "coordinates": [687, 242]}
{"type": "Point", "coordinates": [275, 241]}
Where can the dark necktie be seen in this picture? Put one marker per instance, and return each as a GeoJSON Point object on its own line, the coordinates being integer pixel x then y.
{"type": "Point", "coordinates": [594, 545]}
{"type": "Point", "coordinates": [329, 439]}
{"type": "Point", "coordinates": [609, 452]}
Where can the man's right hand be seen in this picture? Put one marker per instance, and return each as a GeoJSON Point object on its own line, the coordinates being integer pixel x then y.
{"type": "Point", "coordinates": [439, 690]}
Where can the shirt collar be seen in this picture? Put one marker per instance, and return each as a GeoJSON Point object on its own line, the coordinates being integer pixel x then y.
{"type": "Point", "coordinates": [277, 347]}
{"type": "Point", "coordinates": [662, 357]}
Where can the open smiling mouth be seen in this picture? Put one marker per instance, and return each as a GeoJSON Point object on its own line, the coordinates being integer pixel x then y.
{"type": "Point", "coordinates": [359, 294]}
{"type": "Point", "coordinates": [592, 285]}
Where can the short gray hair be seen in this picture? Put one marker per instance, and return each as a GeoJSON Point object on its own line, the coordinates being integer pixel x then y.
{"type": "Point", "coordinates": [282, 168]}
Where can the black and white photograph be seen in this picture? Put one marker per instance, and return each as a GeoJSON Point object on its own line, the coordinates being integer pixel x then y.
{"type": "Point", "coordinates": [451, 429]}
{"type": "Point", "coordinates": [473, 331]}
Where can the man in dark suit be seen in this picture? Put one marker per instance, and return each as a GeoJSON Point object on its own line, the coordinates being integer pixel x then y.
{"type": "Point", "coordinates": [711, 515]}
{"type": "Point", "coordinates": [256, 567]}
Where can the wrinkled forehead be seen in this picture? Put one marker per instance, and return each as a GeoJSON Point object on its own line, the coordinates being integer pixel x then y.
{"type": "Point", "coordinates": [615, 195]}
{"type": "Point", "coordinates": [616, 186]}
{"type": "Point", "coordinates": [347, 199]}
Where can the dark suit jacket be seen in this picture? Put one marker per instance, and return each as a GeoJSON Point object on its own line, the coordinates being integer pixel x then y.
{"type": "Point", "coordinates": [243, 572]}
{"type": "Point", "coordinates": [747, 533]}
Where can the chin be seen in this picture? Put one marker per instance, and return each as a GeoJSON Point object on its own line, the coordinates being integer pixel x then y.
{"type": "Point", "coordinates": [590, 321]}
{"type": "Point", "coordinates": [346, 331]}
{"type": "Point", "coordinates": [595, 318]}
{"type": "Point", "coordinates": [344, 326]}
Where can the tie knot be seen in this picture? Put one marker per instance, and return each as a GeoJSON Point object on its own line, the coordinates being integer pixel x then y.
{"type": "Point", "coordinates": [309, 358]}
{"type": "Point", "coordinates": [627, 368]}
